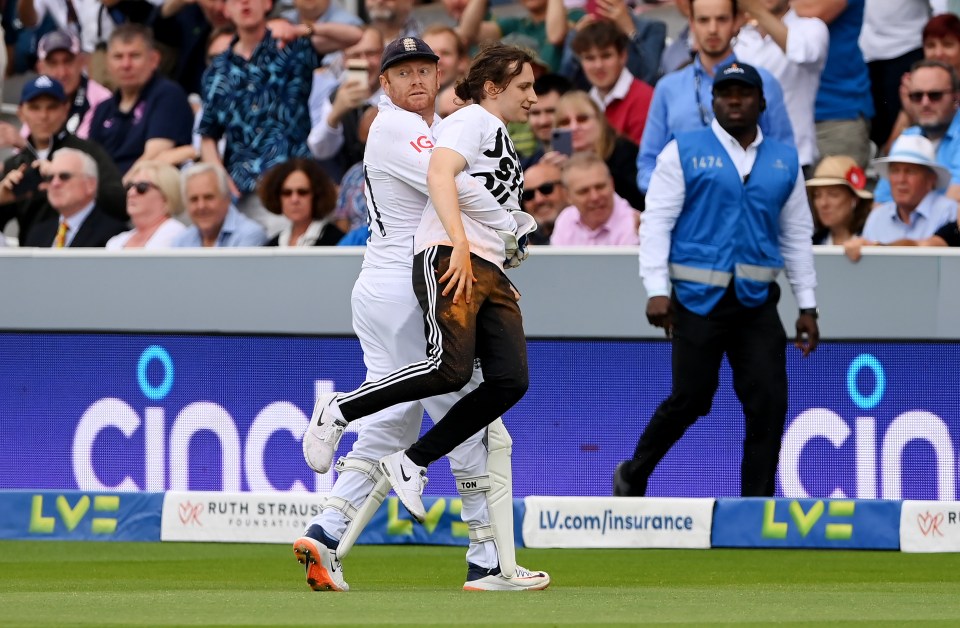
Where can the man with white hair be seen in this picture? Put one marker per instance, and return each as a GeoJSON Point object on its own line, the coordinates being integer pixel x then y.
{"type": "Point", "coordinates": [918, 209]}
{"type": "Point", "coordinates": [216, 222]}
{"type": "Point", "coordinates": [72, 178]}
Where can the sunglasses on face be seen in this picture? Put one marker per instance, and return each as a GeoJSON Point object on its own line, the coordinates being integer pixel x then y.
{"type": "Point", "coordinates": [545, 188]}
{"type": "Point", "coordinates": [917, 97]}
{"type": "Point", "coordinates": [63, 176]}
{"type": "Point", "coordinates": [142, 187]}
{"type": "Point", "coordinates": [288, 192]}
{"type": "Point", "coordinates": [581, 118]}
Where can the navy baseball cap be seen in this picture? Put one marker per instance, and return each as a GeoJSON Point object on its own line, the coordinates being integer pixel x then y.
{"type": "Point", "coordinates": [739, 72]}
{"type": "Point", "coordinates": [43, 85]}
{"type": "Point", "coordinates": [405, 48]}
{"type": "Point", "coordinates": [57, 40]}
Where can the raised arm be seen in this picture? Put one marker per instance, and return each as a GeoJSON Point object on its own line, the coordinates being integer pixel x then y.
{"type": "Point", "coordinates": [826, 10]}
{"type": "Point", "coordinates": [556, 22]}
{"type": "Point", "coordinates": [473, 28]}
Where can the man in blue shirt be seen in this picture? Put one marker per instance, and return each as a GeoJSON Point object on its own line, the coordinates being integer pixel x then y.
{"type": "Point", "coordinates": [682, 100]}
{"type": "Point", "coordinates": [726, 211]}
{"type": "Point", "coordinates": [216, 222]}
{"type": "Point", "coordinates": [917, 210]}
{"type": "Point", "coordinates": [256, 95]}
{"type": "Point", "coordinates": [932, 106]}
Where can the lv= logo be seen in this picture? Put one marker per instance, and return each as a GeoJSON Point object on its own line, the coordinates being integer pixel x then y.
{"type": "Point", "coordinates": [929, 524]}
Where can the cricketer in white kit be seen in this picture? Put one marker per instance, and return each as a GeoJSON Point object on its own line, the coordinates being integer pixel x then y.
{"type": "Point", "coordinates": [388, 321]}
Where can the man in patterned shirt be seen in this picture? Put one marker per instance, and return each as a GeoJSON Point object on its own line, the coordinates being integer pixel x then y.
{"type": "Point", "coordinates": [256, 95]}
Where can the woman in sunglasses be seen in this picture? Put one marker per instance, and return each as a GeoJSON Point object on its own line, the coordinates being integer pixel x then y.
{"type": "Point", "coordinates": [302, 192]}
{"type": "Point", "coordinates": [153, 197]}
{"type": "Point", "coordinates": [591, 132]}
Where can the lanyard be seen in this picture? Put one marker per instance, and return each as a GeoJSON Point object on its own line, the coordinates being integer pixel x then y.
{"type": "Point", "coordinates": [698, 83]}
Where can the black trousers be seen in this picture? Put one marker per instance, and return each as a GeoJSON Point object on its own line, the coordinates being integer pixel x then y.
{"type": "Point", "coordinates": [490, 328]}
{"type": "Point", "coordinates": [885, 77]}
{"type": "Point", "coordinates": [755, 344]}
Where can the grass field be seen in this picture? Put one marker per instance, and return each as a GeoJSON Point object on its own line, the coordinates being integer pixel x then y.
{"type": "Point", "coordinates": [174, 584]}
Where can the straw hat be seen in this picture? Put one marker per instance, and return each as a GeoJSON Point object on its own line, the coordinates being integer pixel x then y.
{"type": "Point", "coordinates": [914, 149]}
{"type": "Point", "coordinates": [841, 170]}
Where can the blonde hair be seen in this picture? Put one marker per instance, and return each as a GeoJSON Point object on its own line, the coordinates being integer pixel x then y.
{"type": "Point", "coordinates": [167, 180]}
{"type": "Point", "coordinates": [580, 100]}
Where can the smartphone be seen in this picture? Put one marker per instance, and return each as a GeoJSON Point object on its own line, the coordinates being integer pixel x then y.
{"type": "Point", "coordinates": [357, 72]}
{"type": "Point", "coordinates": [561, 140]}
{"type": "Point", "coordinates": [591, 8]}
{"type": "Point", "coordinates": [29, 183]}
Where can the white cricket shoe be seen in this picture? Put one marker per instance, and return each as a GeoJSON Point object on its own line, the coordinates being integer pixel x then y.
{"type": "Point", "coordinates": [483, 579]}
{"type": "Point", "coordinates": [324, 571]}
{"type": "Point", "coordinates": [323, 434]}
{"type": "Point", "coordinates": [407, 479]}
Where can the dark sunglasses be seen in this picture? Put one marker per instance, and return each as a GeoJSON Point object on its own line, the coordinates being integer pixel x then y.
{"type": "Point", "coordinates": [142, 187]}
{"type": "Point", "coordinates": [545, 188]}
{"type": "Point", "coordinates": [581, 118]}
{"type": "Point", "coordinates": [63, 176]}
{"type": "Point", "coordinates": [287, 192]}
{"type": "Point", "coordinates": [917, 97]}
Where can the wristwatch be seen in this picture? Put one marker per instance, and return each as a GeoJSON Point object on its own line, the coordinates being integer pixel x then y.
{"type": "Point", "coordinates": [812, 311]}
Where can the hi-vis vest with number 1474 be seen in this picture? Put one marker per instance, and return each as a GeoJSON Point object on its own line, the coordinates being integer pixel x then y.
{"type": "Point", "coordinates": [728, 229]}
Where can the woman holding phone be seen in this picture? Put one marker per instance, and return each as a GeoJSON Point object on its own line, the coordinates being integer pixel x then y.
{"type": "Point", "coordinates": [589, 131]}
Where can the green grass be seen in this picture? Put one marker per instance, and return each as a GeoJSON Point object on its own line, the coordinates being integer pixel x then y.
{"type": "Point", "coordinates": [193, 584]}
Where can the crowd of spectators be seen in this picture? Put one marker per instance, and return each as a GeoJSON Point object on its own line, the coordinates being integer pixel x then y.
{"type": "Point", "coordinates": [166, 123]}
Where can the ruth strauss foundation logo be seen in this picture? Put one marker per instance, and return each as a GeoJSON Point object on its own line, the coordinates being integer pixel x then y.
{"type": "Point", "coordinates": [929, 523]}
{"type": "Point", "coordinates": [190, 513]}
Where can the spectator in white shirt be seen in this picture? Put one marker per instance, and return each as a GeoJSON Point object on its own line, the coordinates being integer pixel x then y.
{"type": "Point", "coordinates": [794, 50]}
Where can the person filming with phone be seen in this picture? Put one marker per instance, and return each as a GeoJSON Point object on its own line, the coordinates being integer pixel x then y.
{"type": "Point", "coordinates": [44, 107]}
{"type": "Point", "coordinates": [579, 125]}
{"type": "Point", "coordinates": [335, 134]}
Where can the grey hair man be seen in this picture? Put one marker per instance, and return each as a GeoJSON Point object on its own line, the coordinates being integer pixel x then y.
{"type": "Point", "coordinates": [216, 222]}
{"type": "Point", "coordinates": [72, 178]}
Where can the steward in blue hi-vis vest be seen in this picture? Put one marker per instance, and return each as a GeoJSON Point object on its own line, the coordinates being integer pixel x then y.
{"type": "Point", "coordinates": [729, 229]}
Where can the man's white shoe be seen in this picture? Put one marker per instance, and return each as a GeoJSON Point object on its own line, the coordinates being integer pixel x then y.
{"type": "Point", "coordinates": [323, 434]}
{"type": "Point", "coordinates": [324, 571]}
{"type": "Point", "coordinates": [407, 479]}
{"type": "Point", "coordinates": [482, 579]}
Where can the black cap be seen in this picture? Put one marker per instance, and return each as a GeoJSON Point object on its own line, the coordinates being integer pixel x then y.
{"type": "Point", "coordinates": [739, 72]}
{"type": "Point", "coordinates": [405, 48]}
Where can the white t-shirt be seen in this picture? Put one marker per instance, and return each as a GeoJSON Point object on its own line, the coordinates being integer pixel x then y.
{"type": "Point", "coordinates": [395, 163]}
{"type": "Point", "coordinates": [492, 164]}
{"type": "Point", "coordinates": [798, 71]}
{"type": "Point", "coordinates": [162, 238]}
{"type": "Point", "coordinates": [892, 28]}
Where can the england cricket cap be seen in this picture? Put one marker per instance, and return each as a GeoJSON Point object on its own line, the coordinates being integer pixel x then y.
{"type": "Point", "coordinates": [405, 48]}
{"type": "Point", "coordinates": [57, 40]}
{"type": "Point", "coordinates": [739, 72]}
{"type": "Point", "coordinates": [42, 86]}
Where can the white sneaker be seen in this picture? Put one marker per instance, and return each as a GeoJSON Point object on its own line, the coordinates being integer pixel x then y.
{"type": "Point", "coordinates": [324, 571]}
{"type": "Point", "coordinates": [323, 434]}
{"type": "Point", "coordinates": [482, 579]}
{"type": "Point", "coordinates": [407, 479]}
